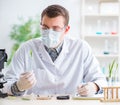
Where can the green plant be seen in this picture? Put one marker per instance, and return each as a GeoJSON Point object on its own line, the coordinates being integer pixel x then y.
{"type": "Point", "coordinates": [112, 66]}
{"type": "Point", "coordinates": [22, 32]}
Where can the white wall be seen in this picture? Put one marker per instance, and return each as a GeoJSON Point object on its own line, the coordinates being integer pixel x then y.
{"type": "Point", "coordinates": [10, 10]}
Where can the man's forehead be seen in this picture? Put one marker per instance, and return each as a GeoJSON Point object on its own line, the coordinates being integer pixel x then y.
{"type": "Point", "coordinates": [59, 20]}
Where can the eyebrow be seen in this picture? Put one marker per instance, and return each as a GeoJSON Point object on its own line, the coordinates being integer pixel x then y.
{"type": "Point", "coordinates": [48, 27]}
{"type": "Point", "coordinates": [43, 25]}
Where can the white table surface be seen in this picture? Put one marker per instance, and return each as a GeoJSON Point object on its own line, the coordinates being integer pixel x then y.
{"type": "Point", "coordinates": [15, 101]}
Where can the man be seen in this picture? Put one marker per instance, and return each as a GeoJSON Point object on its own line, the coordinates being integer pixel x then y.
{"type": "Point", "coordinates": [54, 63]}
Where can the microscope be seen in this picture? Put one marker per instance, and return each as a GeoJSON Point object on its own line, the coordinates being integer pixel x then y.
{"type": "Point", "coordinates": [3, 58]}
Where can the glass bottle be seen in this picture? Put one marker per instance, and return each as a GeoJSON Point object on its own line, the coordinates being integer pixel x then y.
{"type": "Point", "coordinates": [106, 47]}
{"type": "Point", "coordinates": [99, 32]}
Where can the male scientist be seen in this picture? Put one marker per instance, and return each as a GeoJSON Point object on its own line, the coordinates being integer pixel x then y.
{"type": "Point", "coordinates": [54, 63]}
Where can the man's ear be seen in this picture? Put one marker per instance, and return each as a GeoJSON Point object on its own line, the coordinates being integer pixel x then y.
{"type": "Point", "coordinates": [67, 29]}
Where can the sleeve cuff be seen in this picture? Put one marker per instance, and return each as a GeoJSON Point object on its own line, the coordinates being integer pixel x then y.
{"type": "Point", "coordinates": [100, 90]}
{"type": "Point", "coordinates": [15, 91]}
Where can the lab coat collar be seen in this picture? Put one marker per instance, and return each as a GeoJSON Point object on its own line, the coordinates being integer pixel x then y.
{"type": "Point", "coordinates": [64, 52]}
{"type": "Point", "coordinates": [45, 56]}
{"type": "Point", "coordinates": [65, 48]}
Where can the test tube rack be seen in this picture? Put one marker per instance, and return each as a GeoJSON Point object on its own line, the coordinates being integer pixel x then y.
{"type": "Point", "coordinates": [111, 94]}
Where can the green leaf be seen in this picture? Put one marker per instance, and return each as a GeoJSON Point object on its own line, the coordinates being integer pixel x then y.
{"type": "Point", "coordinates": [31, 53]}
{"type": "Point", "coordinates": [22, 32]}
{"type": "Point", "coordinates": [111, 67]}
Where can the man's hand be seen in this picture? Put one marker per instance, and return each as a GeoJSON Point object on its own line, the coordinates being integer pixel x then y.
{"type": "Point", "coordinates": [88, 89]}
{"type": "Point", "coordinates": [26, 81]}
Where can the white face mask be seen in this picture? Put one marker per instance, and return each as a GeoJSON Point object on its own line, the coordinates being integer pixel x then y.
{"type": "Point", "coordinates": [50, 38]}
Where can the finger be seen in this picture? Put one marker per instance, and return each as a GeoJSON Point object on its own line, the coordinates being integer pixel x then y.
{"type": "Point", "coordinates": [83, 93]}
{"type": "Point", "coordinates": [79, 86]}
{"type": "Point", "coordinates": [31, 82]}
{"type": "Point", "coordinates": [83, 87]}
{"type": "Point", "coordinates": [81, 90]}
{"type": "Point", "coordinates": [27, 75]}
{"type": "Point", "coordinates": [31, 78]}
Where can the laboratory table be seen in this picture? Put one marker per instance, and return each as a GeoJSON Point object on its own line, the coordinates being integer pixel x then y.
{"type": "Point", "coordinates": [18, 101]}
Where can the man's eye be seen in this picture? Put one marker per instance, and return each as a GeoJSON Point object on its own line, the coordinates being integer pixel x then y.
{"type": "Point", "coordinates": [57, 29]}
{"type": "Point", "coordinates": [45, 28]}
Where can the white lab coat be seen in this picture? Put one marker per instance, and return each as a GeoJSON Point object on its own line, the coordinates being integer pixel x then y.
{"type": "Point", "coordinates": [74, 65]}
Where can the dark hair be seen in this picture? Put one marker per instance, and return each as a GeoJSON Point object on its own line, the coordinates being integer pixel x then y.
{"type": "Point", "coordinates": [54, 11]}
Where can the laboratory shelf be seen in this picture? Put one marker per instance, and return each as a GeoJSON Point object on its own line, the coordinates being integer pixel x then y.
{"type": "Point", "coordinates": [100, 27]}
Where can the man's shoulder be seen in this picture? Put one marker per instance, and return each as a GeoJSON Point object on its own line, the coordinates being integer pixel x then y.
{"type": "Point", "coordinates": [32, 43]}
{"type": "Point", "coordinates": [77, 43]}
{"type": "Point", "coordinates": [75, 40]}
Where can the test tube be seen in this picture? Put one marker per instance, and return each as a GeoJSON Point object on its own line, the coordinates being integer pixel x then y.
{"type": "Point", "coordinates": [99, 32]}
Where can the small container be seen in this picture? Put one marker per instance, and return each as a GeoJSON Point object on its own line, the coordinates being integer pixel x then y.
{"type": "Point", "coordinates": [107, 30]}
{"type": "Point", "coordinates": [106, 47]}
{"type": "Point", "coordinates": [114, 28]}
{"type": "Point", "coordinates": [99, 32]}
